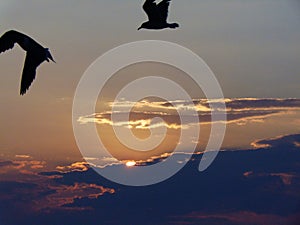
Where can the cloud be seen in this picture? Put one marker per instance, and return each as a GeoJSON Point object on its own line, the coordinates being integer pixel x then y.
{"type": "Point", "coordinates": [285, 177]}
{"type": "Point", "coordinates": [239, 111]}
{"type": "Point", "coordinates": [248, 173]}
{"type": "Point", "coordinates": [243, 104]}
{"type": "Point", "coordinates": [241, 187]}
{"type": "Point", "coordinates": [297, 144]}
{"type": "Point", "coordinates": [66, 194]}
{"type": "Point", "coordinates": [238, 218]}
{"type": "Point", "coordinates": [77, 166]}
{"type": "Point", "coordinates": [137, 124]}
{"type": "Point", "coordinates": [291, 140]}
{"type": "Point", "coordinates": [108, 162]}
{"type": "Point", "coordinates": [21, 166]}
{"type": "Point", "coordinates": [7, 164]}
{"type": "Point", "coordinates": [23, 156]}
{"type": "Point", "coordinates": [44, 191]}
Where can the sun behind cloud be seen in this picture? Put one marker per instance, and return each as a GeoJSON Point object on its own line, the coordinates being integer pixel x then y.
{"type": "Point", "coordinates": [130, 163]}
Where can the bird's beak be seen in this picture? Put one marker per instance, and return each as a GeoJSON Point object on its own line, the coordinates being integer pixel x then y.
{"type": "Point", "coordinates": [49, 56]}
{"type": "Point", "coordinates": [51, 60]}
{"type": "Point", "coordinates": [139, 28]}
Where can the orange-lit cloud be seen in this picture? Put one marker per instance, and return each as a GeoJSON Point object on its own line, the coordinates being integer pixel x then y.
{"type": "Point", "coordinates": [137, 124]}
{"type": "Point", "coordinates": [248, 173]}
{"type": "Point", "coordinates": [67, 194]}
{"type": "Point", "coordinates": [48, 194]}
{"type": "Point", "coordinates": [290, 139]}
{"type": "Point", "coordinates": [286, 178]}
{"type": "Point", "coordinates": [23, 156]}
{"type": "Point", "coordinates": [77, 166]}
{"type": "Point", "coordinates": [257, 144]}
{"type": "Point", "coordinates": [21, 166]}
{"type": "Point", "coordinates": [297, 144]}
{"type": "Point", "coordinates": [239, 111]}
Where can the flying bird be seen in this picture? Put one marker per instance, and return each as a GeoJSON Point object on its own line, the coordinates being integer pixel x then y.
{"type": "Point", "coordinates": [157, 15]}
{"type": "Point", "coordinates": [35, 55]}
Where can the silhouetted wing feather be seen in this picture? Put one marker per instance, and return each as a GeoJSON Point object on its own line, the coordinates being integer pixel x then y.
{"type": "Point", "coordinates": [7, 41]}
{"type": "Point", "coordinates": [29, 71]}
{"type": "Point", "coordinates": [163, 8]}
{"type": "Point", "coordinates": [150, 8]}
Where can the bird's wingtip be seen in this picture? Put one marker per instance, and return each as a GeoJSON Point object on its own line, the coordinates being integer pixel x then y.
{"type": "Point", "coordinates": [22, 92]}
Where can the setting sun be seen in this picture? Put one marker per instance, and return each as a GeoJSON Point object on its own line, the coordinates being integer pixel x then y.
{"type": "Point", "coordinates": [130, 163]}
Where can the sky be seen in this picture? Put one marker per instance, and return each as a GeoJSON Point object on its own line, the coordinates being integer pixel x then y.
{"type": "Point", "coordinates": [251, 46]}
{"type": "Point", "coordinates": [253, 49]}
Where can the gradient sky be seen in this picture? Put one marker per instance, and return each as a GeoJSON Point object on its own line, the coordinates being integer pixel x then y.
{"type": "Point", "coordinates": [251, 46]}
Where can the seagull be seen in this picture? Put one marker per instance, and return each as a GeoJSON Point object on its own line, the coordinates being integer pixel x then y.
{"type": "Point", "coordinates": [36, 54]}
{"type": "Point", "coordinates": [157, 15]}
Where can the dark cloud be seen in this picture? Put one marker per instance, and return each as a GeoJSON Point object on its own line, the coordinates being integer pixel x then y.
{"type": "Point", "coordinates": [242, 103]}
{"type": "Point", "coordinates": [288, 141]}
{"type": "Point", "coordinates": [23, 166]}
{"type": "Point", "coordinates": [61, 196]}
{"type": "Point", "coordinates": [7, 163]}
{"type": "Point", "coordinates": [26, 191]}
{"type": "Point", "coordinates": [258, 186]}
{"type": "Point", "coordinates": [235, 218]}
{"type": "Point", "coordinates": [257, 103]}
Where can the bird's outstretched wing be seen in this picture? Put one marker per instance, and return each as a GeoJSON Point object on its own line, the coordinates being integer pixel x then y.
{"type": "Point", "coordinates": [32, 61]}
{"type": "Point", "coordinates": [163, 8]}
{"type": "Point", "coordinates": [151, 10]}
{"type": "Point", "coordinates": [8, 40]}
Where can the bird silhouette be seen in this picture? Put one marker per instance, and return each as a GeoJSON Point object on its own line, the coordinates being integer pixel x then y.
{"type": "Point", "coordinates": [157, 15]}
{"type": "Point", "coordinates": [36, 54]}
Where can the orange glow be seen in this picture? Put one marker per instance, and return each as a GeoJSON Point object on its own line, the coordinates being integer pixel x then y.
{"type": "Point", "coordinates": [130, 163]}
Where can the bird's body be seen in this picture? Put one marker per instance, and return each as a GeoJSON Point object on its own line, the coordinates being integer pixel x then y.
{"type": "Point", "coordinates": [157, 15]}
{"type": "Point", "coordinates": [36, 54]}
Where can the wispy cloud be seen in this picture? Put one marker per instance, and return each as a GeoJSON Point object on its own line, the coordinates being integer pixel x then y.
{"type": "Point", "coordinates": [137, 124]}
{"type": "Point", "coordinates": [77, 166]}
{"type": "Point", "coordinates": [239, 111]}
{"type": "Point", "coordinates": [23, 156]}
{"type": "Point", "coordinates": [21, 166]}
{"type": "Point", "coordinates": [290, 139]}
{"type": "Point", "coordinates": [44, 188]}
{"type": "Point", "coordinates": [67, 194]}
{"type": "Point", "coordinates": [286, 178]}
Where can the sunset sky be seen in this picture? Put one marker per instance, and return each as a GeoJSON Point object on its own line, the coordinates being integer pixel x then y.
{"type": "Point", "coordinates": [251, 46]}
